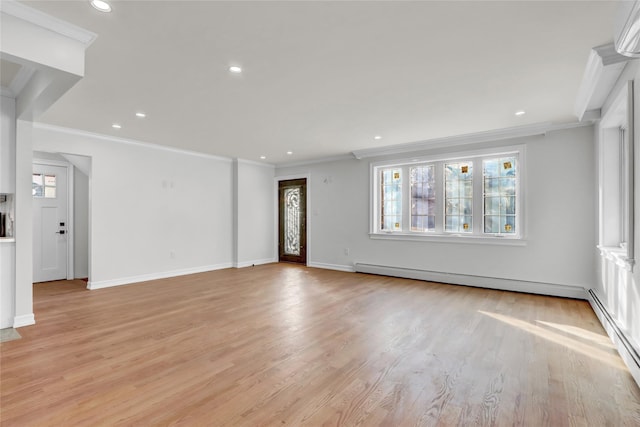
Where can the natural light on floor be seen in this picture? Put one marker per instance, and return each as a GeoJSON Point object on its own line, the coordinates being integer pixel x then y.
{"type": "Point", "coordinates": [572, 344]}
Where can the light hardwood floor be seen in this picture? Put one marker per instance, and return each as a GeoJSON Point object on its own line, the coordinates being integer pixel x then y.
{"type": "Point", "coordinates": [288, 345]}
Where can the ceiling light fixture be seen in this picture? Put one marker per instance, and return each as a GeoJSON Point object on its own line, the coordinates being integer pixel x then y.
{"type": "Point", "coordinates": [377, 137]}
{"type": "Point", "coordinates": [235, 69]}
{"type": "Point", "coordinates": [263, 157]}
{"type": "Point", "coordinates": [289, 153]}
{"type": "Point", "coordinates": [116, 126]}
{"type": "Point", "coordinates": [141, 114]}
{"type": "Point", "coordinates": [520, 113]}
{"type": "Point", "coordinates": [101, 5]}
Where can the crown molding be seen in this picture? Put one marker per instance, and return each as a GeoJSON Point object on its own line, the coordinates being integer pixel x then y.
{"type": "Point", "coordinates": [316, 161]}
{"type": "Point", "coordinates": [41, 19]}
{"type": "Point", "coordinates": [21, 79]}
{"type": "Point", "coordinates": [86, 134]}
{"type": "Point", "coordinates": [466, 139]}
{"type": "Point", "coordinates": [254, 163]}
{"type": "Point", "coordinates": [603, 69]}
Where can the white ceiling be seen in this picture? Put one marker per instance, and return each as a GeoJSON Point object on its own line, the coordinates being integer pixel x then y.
{"type": "Point", "coordinates": [323, 78]}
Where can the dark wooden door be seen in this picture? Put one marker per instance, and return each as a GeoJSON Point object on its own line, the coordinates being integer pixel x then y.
{"type": "Point", "coordinates": [292, 243]}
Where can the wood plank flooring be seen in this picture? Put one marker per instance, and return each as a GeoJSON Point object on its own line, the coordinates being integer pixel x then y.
{"type": "Point", "coordinates": [281, 344]}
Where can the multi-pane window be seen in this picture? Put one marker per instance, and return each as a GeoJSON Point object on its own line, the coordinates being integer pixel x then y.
{"type": "Point", "coordinates": [474, 195]}
{"type": "Point", "coordinates": [44, 186]}
{"type": "Point", "coordinates": [499, 190]}
{"type": "Point", "coordinates": [391, 199]}
{"type": "Point", "coordinates": [423, 198]}
{"type": "Point", "coordinates": [458, 184]}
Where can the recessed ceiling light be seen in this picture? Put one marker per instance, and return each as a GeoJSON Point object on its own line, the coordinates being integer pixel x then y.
{"type": "Point", "coordinates": [377, 137]}
{"type": "Point", "coordinates": [289, 152]}
{"type": "Point", "coordinates": [520, 113]}
{"type": "Point", "coordinates": [235, 69]}
{"type": "Point", "coordinates": [141, 114]}
{"type": "Point", "coordinates": [101, 5]}
{"type": "Point", "coordinates": [116, 126]}
{"type": "Point", "coordinates": [263, 157]}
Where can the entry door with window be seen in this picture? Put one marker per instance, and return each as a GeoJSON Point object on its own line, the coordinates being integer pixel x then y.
{"type": "Point", "coordinates": [49, 190]}
{"type": "Point", "coordinates": [292, 195]}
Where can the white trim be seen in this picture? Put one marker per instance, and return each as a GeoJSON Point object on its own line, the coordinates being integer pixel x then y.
{"type": "Point", "coordinates": [337, 267]}
{"type": "Point", "coordinates": [618, 256]}
{"type": "Point", "coordinates": [466, 139]}
{"type": "Point", "coordinates": [316, 161]}
{"type": "Point", "coordinates": [41, 19]}
{"type": "Point", "coordinates": [24, 320]}
{"type": "Point", "coordinates": [21, 79]}
{"type": "Point", "coordinates": [513, 285]}
{"type": "Point", "coordinates": [628, 349]}
{"type": "Point", "coordinates": [499, 239]}
{"type": "Point", "coordinates": [155, 276]}
{"type": "Point", "coordinates": [276, 208]}
{"type": "Point", "coordinates": [254, 163]}
{"type": "Point", "coordinates": [86, 134]}
{"type": "Point", "coordinates": [6, 92]}
{"type": "Point", "coordinates": [243, 264]}
{"type": "Point", "coordinates": [603, 69]}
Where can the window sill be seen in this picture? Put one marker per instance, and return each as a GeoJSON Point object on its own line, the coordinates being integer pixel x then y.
{"type": "Point", "coordinates": [618, 256]}
{"type": "Point", "coordinates": [450, 238]}
{"type": "Point", "coordinates": [7, 239]}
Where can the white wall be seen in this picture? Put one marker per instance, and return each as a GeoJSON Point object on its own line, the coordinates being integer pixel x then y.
{"type": "Point", "coordinates": [617, 288]}
{"type": "Point", "coordinates": [80, 224]}
{"type": "Point", "coordinates": [559, 220]}
{"type": "Point", "coordinates": [255, 214]}
{"type": "Point", "coordinates": [154, 212]}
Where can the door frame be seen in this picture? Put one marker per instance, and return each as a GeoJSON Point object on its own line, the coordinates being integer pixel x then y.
{"type": "Point", "coordinates": [70, 220]}
{"type": "Point", "coordinates": [276, 210]}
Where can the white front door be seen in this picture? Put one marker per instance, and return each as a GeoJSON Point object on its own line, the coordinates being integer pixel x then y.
{"type": "Point", "coordinates": [49, 223]}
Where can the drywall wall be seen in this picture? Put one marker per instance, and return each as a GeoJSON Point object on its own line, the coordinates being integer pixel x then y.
{"type": "Point", "coordinates": [255, 213]}
{"type": "Point", "coordinates": [154, 212]}
{"type": "Point", "coordinates": [618, 288]}
{"type": "Point", "coordinates": [559, 206]}
{"type": "Point", "coordinates": [80, 224]}
{"type": "Point", "coordinates": [7, 185]}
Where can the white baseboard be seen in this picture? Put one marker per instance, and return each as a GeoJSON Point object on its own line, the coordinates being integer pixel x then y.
{"type": "Point", "coordinates": [338, 267]}
{"type": "Point", "coordinates": [154, 276]}
{"type": "Point", "coordinates": [628, 349]}
{"type": "Point", "coordinates": [476, 281]}
{"type": "Point", "coordinates": [242, 264]}
{"type": "Point", "coordinates": [24, 320]}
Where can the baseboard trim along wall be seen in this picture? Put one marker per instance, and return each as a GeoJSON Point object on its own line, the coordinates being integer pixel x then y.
{"type": "Point", "coordinates": [24, 320]}
{"type": "Point", "coordinates": [242, 264]}
{"type": "Point", "coordinates": [628, 350]}
{"type": "Point", "coordinates": [476, 281]}
{"type": "Point", "coordinates": [338, 267]}
{"type": "Point", "coordinates": [155, 276]}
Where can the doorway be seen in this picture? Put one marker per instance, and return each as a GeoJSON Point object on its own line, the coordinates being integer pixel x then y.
{"type": "Point", "coordinates": [292, 220]}
{"type": "Point", "coordinates": [51, 222]}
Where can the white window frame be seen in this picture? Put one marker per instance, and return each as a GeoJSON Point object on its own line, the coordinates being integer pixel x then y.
{"type": "Point", "coordinates": [476, 236]}
{"type": "Point", "coordinates": [616, 181]}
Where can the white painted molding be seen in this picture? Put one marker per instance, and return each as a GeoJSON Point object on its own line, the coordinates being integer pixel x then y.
{"type": "Point", "coordinates": [21, 79]}
{"type": "Point", "coordinates": [41, 19]}
{"type": "Point", "coordinates": [93, 285]}
{"type": "Point", "coordinates": [254, 163]}
{"type": "Point", "coordinates": [603, 69]}
{"type": "Point", "coordinates": [24, 320]}
{"type": "Point", "coordinates": [618, 256]}
{"type": "Point", "coordinates": [466, 139]}
{"type": "Point", "coordinates": [628, 349]}
{"type": "Point", "coordinates": [316, 161]}
{"type": "Point", "coordinates": [513, 285]}
{"type": "Point", "coordinates": [448, 238]}
{"type": "Point", "coordinates": [86, 134]}
{"type": "Point", "coordinates": [337, 267]}
{"type": "Point", "coordinates": [243, 264]}
{"type": "Point", "coordinates": [6, 92]}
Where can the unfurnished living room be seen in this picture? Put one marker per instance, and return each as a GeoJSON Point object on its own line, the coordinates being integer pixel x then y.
{"type": "Point", "coordinates": [319, 213]}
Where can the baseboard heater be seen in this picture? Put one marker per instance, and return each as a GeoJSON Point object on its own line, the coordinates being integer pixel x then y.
{"type": "Point", "coordinates": [629, 352]}
{"type": "Point", "coordinates": [525, 286]}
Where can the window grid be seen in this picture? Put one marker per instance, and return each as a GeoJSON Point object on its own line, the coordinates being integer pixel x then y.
{"type": "Point", "coordinates": [391, 199]}
{"type": "Point", "coordinates": [423, 198]}
{"type": "Point", "coordinates": [499, 195]}
{"type": "Point", "coordinates": [43, 186]}
{"type": "Point", "coordinates": [458, 183]}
